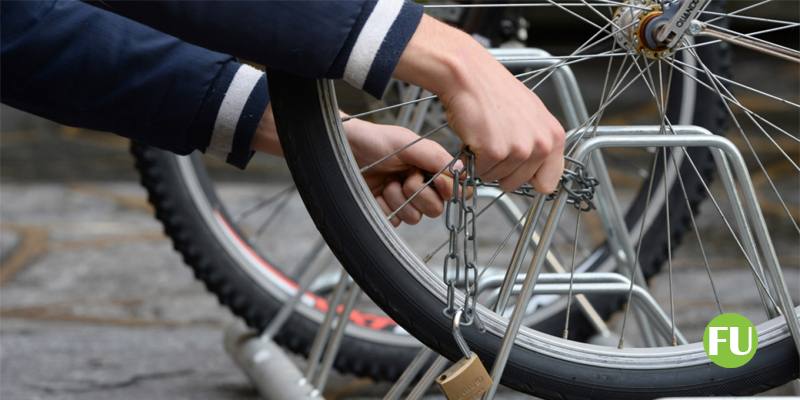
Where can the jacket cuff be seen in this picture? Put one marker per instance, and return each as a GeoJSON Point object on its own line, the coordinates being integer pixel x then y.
{"type": "Point", "coordinates": [239, 110]}
{"type": "Point", "coordinates": [373, 48]}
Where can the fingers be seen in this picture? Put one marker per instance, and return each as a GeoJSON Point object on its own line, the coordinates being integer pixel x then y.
{"type": "Point", "coordinates": [542, 163]}
{"type": "Point", "coordinates": [426, 155]}
{"type": "Point", "coordinates": [547, 176]}
{"type": "Point", "coordinates": [522, 175]}
{"type": "Point", "coordinates": [394, 196]}
{"type": "Point", "coordinates": [386, 210]}
{"type": "Point", "coordinates": [484, 166]}
{"type": "Point", "coordinates": [509, 174]}
{"type": "Point", "coordinates": [444, 186]}
{"type": "Point", "coordinates": [427, 201]}
{"type": "Point", "coordinates": [510, 130]}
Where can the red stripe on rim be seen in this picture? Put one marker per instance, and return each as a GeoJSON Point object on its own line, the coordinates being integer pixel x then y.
{"type": "Point", "coordinates": [367, 320]}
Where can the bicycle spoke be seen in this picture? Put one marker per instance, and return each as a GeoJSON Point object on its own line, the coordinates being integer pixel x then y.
{"type": "Point", "coordinates": [669, 248]}
{"type": "Point", "coordinates": [754, 90]}
{"type": "Point", "coordinates": [573, 59]}
{"type": "Point", "coordinates": [638, 252]}
{"type": "Point", "coordinates": [604, 105]}
{"type": "Point", "coordinates": [604, 92]}
{"type": "Point", "coordinates": [596, 11]}
{"type": "Point", "coordinates": [600, 3]}
{"type": "Point", "coordinates": [501, 246]}
{"type": "Point", "coordinates": [404, 147]}
{"type": "Point", "coordinates": [739, 11]}
{"type": "Point", "coordinates": [719, 87]}
{"type": "Point", "coordinates": [696, 230]}
{"type": "Point", "coordinates": [581, 48]}
{"type": "Point", "coordinates": [747, 35]}
{"type": "Point", "coordinates": [276, 212]}
{"type": "Point", "coordinates": [423, 187]}
{"type": "Point", "coordinates": [661, 102]}
{"type": "Point", "coordinates": [790, 52]}
{"type": "Point", "coordinates": [438, 248]}
{"type": "Point", "coordinates": [263, 203]}
{"type": "Point", "coordinates": [576, 15]}
{"type": "Point", "coordinates": [584, 46]}
{"type": "Point", "coordinates": [745, 17]}
{"type": "Point", "coordinates": [751, 263]}
{"type": "Point", "coordinates": [581, 57]}
{"type": "Point", "coordinates": [733, 100]}
{"type": "Point", "coordinates": [387, 108]}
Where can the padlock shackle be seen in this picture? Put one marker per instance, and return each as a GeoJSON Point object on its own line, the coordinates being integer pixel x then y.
{"type": "Point", "coordinates": [462, 344]}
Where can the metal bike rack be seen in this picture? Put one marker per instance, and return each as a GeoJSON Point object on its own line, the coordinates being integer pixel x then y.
{"type": "Point", "coordinates": [567, 89]}
{"type": "Point", "coordinates": [574, 107]}
{"type": "Point", "coordinates": [263, 361]}
{"type": "Point", "coordinates": [685, 136]}
{"type": "Point", "coordinates": [594, 283]}
{"type": "Point", "coordinates": [268, 366]}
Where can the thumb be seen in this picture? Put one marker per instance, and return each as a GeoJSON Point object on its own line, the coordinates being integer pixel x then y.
{"type": "Point", "coordinates": [426, 155]}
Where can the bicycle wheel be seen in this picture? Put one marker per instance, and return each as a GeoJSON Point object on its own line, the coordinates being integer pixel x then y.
{"type": "Point", "coordinates": [394, 275]}
{"type": "Point", "coordinates": [248, 271]}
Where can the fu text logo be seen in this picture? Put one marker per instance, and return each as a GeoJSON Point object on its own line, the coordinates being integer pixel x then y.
{"type": "Point", "coordinates": [730, 340]}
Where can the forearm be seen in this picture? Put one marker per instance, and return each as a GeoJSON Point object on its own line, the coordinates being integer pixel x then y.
{"type": "Point", "coordinates": [82, 66]}
{"type": "Point", "coordinates": [446, 61]}
{"type": "Point", "coordinates": [436, 57]}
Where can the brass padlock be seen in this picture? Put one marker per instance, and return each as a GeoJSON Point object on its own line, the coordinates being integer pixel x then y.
{"type": "Point", "coordinates": [467, 379]}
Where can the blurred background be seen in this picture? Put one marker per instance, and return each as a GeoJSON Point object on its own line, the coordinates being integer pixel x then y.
{"type": "Point", "coordinates": [95, 304]}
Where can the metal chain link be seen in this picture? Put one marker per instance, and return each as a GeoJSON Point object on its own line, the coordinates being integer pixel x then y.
{"type": "Point", "coordinates": [581, 192]}
{"type": "Point", "coordinates": [462, 251]}
{"type": "Point", "coordinates": [460, 223]}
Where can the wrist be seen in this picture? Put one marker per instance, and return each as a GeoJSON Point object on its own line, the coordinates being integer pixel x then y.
{"type": "Point", "coordinates": [265, 138]}
{"type": "Point", "coordinates": [437, 58]}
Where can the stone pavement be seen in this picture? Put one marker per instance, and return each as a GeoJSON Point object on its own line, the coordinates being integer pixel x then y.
{"type": "Point", "coordinates": [97, 305]}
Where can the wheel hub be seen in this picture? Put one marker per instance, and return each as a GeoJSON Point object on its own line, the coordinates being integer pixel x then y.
{"type": "Point", "coordinates": [635, 28]}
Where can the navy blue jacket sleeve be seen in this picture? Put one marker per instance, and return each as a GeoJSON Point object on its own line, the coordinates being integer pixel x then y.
{"type": "Point", "coordinates": [358, 40]}
{"type": "Point", "coordinates": [82, 66]}
{"type": "Point", "coordinates": [93, 67]}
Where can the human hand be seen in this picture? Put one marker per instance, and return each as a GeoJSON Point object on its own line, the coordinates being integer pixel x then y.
{"type": "Point", "coordinates": [399, 177]}
{"type": "Point", "coordinates": [514, 137]}
{"type": "Point", "coordinates": [394, 180]}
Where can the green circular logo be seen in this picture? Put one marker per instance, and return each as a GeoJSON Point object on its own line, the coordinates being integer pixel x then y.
{"type": "Point", "coordinates": [730, 340]}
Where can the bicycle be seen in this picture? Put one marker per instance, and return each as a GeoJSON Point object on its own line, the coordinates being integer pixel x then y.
{"type": "Point", "coordinates": [385, 265]}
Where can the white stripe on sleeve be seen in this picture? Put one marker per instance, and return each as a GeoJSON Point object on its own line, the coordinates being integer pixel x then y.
{"type": "Point", "coordinates": [369, 41]}
{"type": "Point", "coordinates": [230, 110]}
